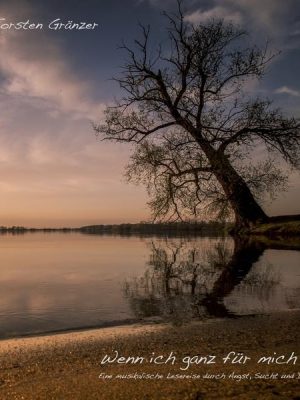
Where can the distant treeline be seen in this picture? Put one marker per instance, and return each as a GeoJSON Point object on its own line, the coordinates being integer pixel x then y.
{"type": "Point", "coordinates": [143, 228]}
{"type": "Point", "coordinates": [22, 229]}
{"type": "Point", "coordinates": [211, 227]}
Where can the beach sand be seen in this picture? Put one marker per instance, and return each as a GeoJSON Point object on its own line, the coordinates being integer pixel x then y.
{"type": "Point", "coordinates": [67, 366]}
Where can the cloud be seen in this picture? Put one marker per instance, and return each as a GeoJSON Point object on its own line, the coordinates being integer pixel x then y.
{"type": "Point", "coordinates": [33, 66]}
{"type": "Point", "coordinates": [218, 12]}
{"type": "Point", "coordinates": [287, 90]}
{"type": "Point", "coordinates": [264, 13]}
{"type": "Point", "coordinates": [28, 72]}
{"type": "Point", "coordinates": [274, 19]}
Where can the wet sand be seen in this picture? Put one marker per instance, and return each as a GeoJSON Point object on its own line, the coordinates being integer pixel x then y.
{"type": "Point", "coordinates": [67, 366]}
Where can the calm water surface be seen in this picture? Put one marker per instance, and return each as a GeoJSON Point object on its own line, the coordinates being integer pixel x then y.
{"type": "Point", "coordinates": [59, 281]}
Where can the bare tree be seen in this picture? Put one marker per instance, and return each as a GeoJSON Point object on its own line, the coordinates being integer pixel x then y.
{"type": "Point", "coordinates": [195, 130]}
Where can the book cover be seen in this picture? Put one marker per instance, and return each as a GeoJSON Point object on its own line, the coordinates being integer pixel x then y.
{"type": "Point", "coordinates": [149, 199]}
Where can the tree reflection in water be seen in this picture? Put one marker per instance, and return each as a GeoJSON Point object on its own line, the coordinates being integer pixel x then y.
{"type": "Point", "coordinates": [185, 281]}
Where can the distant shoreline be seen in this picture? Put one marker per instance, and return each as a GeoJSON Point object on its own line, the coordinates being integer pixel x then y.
{"type": "Point", "coordinates": [286, 226]}
{"type": "Point", "coordinates": [211, 227]}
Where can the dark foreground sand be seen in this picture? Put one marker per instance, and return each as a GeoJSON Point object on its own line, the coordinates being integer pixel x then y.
{"type": "Point", "coordinates": [67, 366]}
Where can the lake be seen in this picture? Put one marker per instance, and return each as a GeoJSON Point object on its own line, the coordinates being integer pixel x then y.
{"type": "Point", "coordinates": [60, 281]}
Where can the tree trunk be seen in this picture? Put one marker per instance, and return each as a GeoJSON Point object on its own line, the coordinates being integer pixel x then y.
{"type": "Point", "coordinates": [246, 209]}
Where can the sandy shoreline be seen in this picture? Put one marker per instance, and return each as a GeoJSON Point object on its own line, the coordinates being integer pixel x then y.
{"type": "Point", "coordinates": [68, 365]}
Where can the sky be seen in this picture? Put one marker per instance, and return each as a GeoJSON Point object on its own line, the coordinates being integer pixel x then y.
{"type": "Point", "coordinates": [55, 83]}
